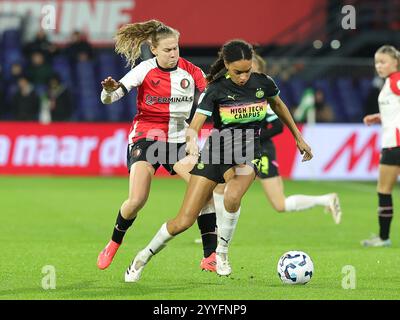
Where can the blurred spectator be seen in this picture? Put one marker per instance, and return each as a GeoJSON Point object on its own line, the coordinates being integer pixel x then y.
{"type": "Point", "coordinates": [273, 70]}
{"type": "Point", "coordinates": [287, 69]}
{"type": "Point", "coordinates": [79, 49]}
{"type": "Point", "coordinates": [305, 112]}
{"type": "Point", "coordinates": [40, 44]}
{"type": "Point", "coordinates": [16, 71]}
{"type": "Point", "coordinates": [10, 87]}
{"type": "Point", "coordinates": [371, 101]}
{"type": "Point", "coordinates": [60, 100]}
{"type": "Point", "coordinates": [323, 111]}
{"type": "Point", "coordinates": [313, 107]}
{"type": "Point", "coordinates": [39, 71]}
{"type": "Point", "coordinates": [25, 103]}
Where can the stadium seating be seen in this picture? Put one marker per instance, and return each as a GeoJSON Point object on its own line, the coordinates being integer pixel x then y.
{"type": "Point", "coordinates": [345, 95]}
{"type": "Point", "coordinates": [286, 93]}
{"type": "Point", "coordinates": [62, 66]}
{"type": "Point", "coordinates": [365, 85]}
{"type": "Point", "coordinates": [108, 66]}
{"type": "Point", "coordinates": [351, 99]}
{"type": "Point", "coordinates": [297, 87]}
{"type": "Point", "coordinates": [11, 39]}
{"type": "Point", "coordinates": [10, 50]}
{"type": "Point", "coordinates": [89, 108]}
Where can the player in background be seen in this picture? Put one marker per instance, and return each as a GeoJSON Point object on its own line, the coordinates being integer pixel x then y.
{"type": "Point", "coordinates": [237, 99]}
{"type": "Point", "coordinates": [269, 173]}
{"type": "Point", "coordinates": [387, 65]}
{"type": "Point", "coordinates": [166, 87]}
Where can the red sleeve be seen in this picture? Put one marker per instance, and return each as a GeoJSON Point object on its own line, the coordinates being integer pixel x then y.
{"type": "Point", "coordinates": [199, 79]}
{"type": "Point", "coordinates": [395, 83]}
{"type": "Point", "coordinates": [197, 74]}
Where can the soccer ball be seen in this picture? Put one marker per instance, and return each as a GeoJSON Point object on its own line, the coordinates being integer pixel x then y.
{"type": "Point", "coordinates": [295, 267]}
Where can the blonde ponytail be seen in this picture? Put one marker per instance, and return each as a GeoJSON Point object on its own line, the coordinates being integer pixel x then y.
{"type": "Point", "coordinates": [130, 37]}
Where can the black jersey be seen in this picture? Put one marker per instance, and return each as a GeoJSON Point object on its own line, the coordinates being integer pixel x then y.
{"type": "Point", "coordinates": [238, 107]}
{"type": "Point", "coordinates": [238, 113]}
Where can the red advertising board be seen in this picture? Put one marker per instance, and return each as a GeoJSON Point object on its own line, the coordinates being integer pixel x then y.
{"type": "Point", "coordinates": [63, 148]}
{"type": "Point", "coordinates": [85, 148]}
{"type": "Point", "coordinates": [341, 152]}
{"type": "Point", "coordinates": [201, 23]}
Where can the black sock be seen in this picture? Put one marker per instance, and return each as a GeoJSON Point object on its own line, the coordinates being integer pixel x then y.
{"type": "Point", "coordinates": [385, 214]}
{"type": "Point", "coordinates": [208, 228]}
{"type": "Point", "coordinates": [121, 225]}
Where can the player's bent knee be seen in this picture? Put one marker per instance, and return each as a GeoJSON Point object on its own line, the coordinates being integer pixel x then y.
{"type": "Point", "coordinates": [384, 189]}
{"type": "Point", "coordinates": [181, 224]}
{"type": "Point", "coordinates": [135, 204]}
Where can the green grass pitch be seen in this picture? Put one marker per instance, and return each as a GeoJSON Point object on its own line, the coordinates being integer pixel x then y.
{"type": "Point", "coordinates": [65, 222]}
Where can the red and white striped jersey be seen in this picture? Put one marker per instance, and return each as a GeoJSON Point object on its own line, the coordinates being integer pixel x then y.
{"type": "Point", "coordinates": [389, 108]}
{"type": "Point", "coordinates": [164, 99]}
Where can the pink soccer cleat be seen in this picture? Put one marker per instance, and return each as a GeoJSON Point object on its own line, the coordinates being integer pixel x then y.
{"type": "Point", "coordinates": [209, 263]}
{"type": "Point", "coordinates": [106, 256]}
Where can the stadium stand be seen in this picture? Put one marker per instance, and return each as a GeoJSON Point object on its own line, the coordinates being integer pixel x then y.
{"type": "Point", "coordinates": [305, 66]}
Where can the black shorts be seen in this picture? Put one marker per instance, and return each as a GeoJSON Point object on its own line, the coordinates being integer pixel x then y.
{"type": "Point", "coordinates": [390, 156]}
{"type": "Point", "coordinates": [269, 166]}
{"type": "Point", "coordinates": [213, 165]}
{"type": "Point", "coordinates": [157, 153]}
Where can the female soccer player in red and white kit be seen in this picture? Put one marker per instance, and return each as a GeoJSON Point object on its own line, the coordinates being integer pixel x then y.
{"type": "Point", "coordinates": [387, 65]}
{"type": "Point", "coordinates": [166, 87]}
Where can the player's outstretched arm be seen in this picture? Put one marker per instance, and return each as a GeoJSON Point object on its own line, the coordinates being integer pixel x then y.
{"type": "Point", "coordinates": [372, 119]}
{"type": "Point", "coordinates": [109, 84]}
{"type": "Point", "coordinates": [281, 110]}
{"type": "Point", "coordinates": [112, 91]}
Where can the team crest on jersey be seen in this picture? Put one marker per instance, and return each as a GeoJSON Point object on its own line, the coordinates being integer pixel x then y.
{"type": "Point", "coordinates": [185, 83]}
{"type": "Point", "coordinates": [259, 93]}
{"type": "Point", "coordinates": [200, 165]}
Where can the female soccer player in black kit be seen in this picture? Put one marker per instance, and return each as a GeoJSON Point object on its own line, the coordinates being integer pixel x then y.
{"type": "Point", "coordinates": [237, 99]}
{"type": "Point", "coordinates": [269, 171]}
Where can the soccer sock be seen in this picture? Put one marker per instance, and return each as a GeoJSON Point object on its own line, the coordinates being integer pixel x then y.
{"type": "Point", "coordinates": [121, 226]}
{"type": "Point", "coordinates": [207, 225]}
{"type": "Point", "coordinates": [158, 243]}
{"type": "Point", "coordinates": [219, 205]}
{"type": "Point", "coordinates": [385, 214]}
{"type": "Point", "coordinates": [226, 230]}
{"type": "Point", "coordinates": [301, 202]}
